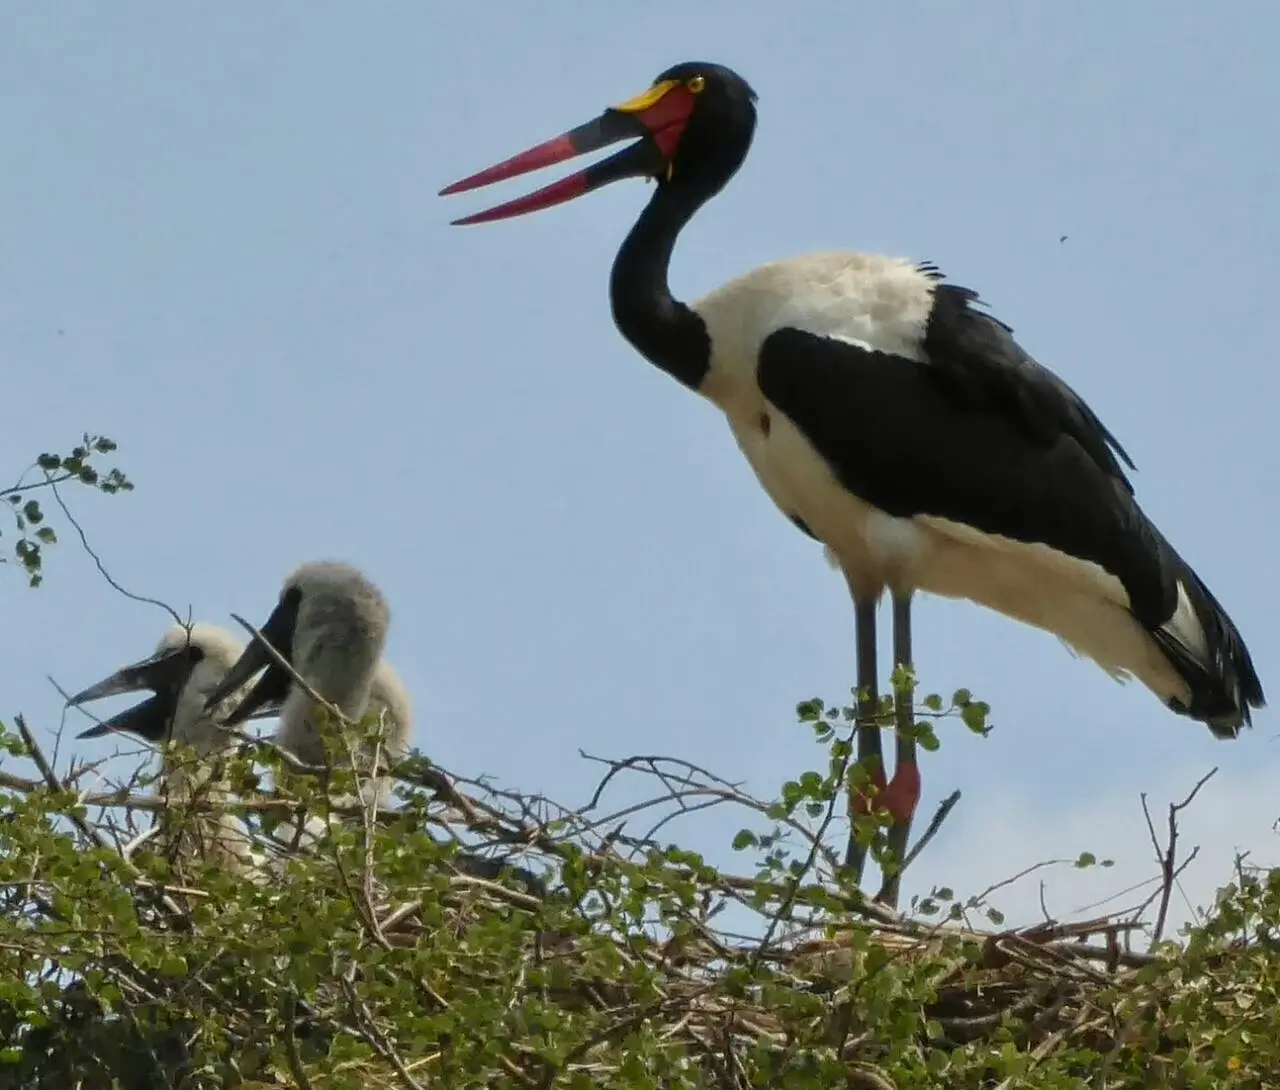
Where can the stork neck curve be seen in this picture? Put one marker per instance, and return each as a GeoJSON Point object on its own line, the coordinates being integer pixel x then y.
{"type": "Point", "coordinates": [667, 332]}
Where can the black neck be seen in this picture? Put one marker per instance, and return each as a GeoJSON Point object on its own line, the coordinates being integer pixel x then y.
{"type": "Point", "coordinates": [660, 327]}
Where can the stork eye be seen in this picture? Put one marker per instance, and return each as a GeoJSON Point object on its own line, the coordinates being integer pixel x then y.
{"type": "Point", "coordinates": [696, 85]}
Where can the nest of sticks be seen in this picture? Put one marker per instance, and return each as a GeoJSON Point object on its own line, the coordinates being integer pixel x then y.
{"type": "Point", "coordinates": [811, 952]}
{"type": "Point", "coordinates": [1046, 987]}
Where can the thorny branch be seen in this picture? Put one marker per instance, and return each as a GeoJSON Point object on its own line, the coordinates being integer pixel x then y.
{"type": "Point", "coordinates": [1167, 857]}
{"type": "Point", "coordinates": [683, 781]}
{"type": "Point", "coordinates": [55, 784]}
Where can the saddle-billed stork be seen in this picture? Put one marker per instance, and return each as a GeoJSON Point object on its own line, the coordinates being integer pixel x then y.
{"type": "Point", "coordinates": [899, 425]}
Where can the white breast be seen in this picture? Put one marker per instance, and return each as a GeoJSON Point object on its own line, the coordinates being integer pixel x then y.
{"type": "Point", "coordinates": [875, 302]}
{"type": "Point", "coordinates": [866, 299]}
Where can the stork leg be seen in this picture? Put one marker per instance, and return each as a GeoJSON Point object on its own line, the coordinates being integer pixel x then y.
{"type": "Point", "coordinates": [870, 754]}
{"type": "Point", "coordinates": [903, 793]}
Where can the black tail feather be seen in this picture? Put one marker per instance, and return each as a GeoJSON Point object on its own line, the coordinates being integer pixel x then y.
{"type": "Point", "coordinates": [1224, 687]}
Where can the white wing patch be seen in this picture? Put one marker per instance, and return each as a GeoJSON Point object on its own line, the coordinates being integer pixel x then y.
{"type": "Point", "coordinates": [1185, 627]}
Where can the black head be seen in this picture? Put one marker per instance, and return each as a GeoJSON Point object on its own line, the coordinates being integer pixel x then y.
{"type": "Point", "coordinates": [694, 124]}
{"type": "Point", "coordinates": [717, 135]}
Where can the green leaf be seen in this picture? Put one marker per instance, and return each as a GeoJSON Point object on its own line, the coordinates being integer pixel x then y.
{"type": "Point", "coordinates": [811, 784]}
{"type": "Point", "coordinates": [974, 716]}
{"type": "Point", "coordinates": [791, 794]}
{"type": "Point", "coordinates": [926, 738]}
{"type": "Point", "coordinates": [809, 710]}
{"type": "Point", "coordinates": [173, 965]}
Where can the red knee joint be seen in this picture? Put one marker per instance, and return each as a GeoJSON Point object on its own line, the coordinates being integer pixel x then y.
{"type": "Point", "coordinates": [902, 795]}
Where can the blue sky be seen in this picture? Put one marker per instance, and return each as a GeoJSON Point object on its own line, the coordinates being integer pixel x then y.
{"type": "Point", "coordinates": [221, 245]}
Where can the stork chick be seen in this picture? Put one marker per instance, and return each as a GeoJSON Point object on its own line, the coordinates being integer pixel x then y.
{"type": "Point", "coordinates": [330, 624]}
{"type": "Point", "coordinates": [185, 668]}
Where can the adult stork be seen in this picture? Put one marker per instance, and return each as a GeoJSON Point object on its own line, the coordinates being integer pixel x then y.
{"type": "Point", "coordinates": [895, 422]}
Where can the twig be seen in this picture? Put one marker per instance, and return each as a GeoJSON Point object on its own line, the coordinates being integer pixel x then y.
{"type": "Point", "coordinates": [1167, 858]}
{"type": "Point", "coordinates": [864, 1076]}
{"type": "Point", "coordinates": [102, 568]}
{"type": "Point", "coordinates": [1117, 895]}
{"type": "Point", "coordinates": [290, 1045]}
{"type": "Point", "coordinates": [1017, 878]}
{"type": "Point", "coordinates": [715, 788]}
{"type": "Point", "coordinates": [793, 884]}
{"type": "Point", "coordinates": [285, 665]}
{"type": "Point", "coordinates": [940, 815]}
{"type": "Point", "coordinates": [52, 781]}
{"type": "Point", "coordinates": [88, 831]}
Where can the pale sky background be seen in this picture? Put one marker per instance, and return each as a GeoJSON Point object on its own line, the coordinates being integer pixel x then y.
{"type": "Point", "coordinates": [220, 244]}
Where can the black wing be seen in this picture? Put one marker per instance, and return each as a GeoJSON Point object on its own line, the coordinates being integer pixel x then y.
{"type": "Point", "coordinates": [981, 434]}
{"type": "Point", "coordinates": [994, 445]}
{"type": "Point", "coordinates": [974, 356]}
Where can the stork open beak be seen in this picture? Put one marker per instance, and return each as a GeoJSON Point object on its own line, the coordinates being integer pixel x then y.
{"type": "Point", "coordinates": [149, 720]}
{"type": "Point", "coordinates": [163, 673]}
{"type": "Point", "coordinates": [264, 699]}
{"type": "Point", "coordinates": [273, 686]}
{"type": "Point", "coordinates": [659, 116]}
